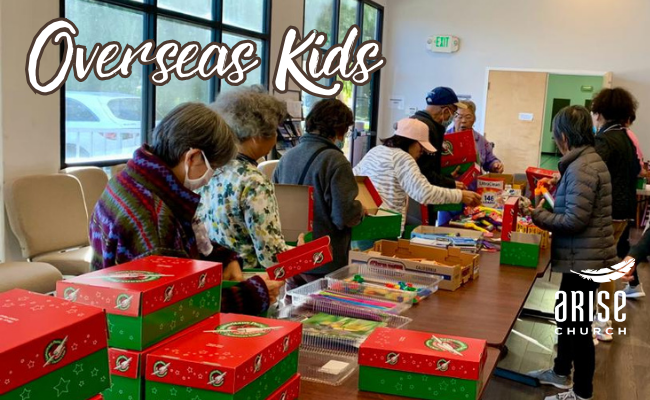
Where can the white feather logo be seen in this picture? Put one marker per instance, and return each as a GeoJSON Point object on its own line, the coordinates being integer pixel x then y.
{"type": "Point", "coordinates": [608, 274]}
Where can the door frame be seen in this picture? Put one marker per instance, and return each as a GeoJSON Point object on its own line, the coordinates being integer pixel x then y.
{"type": "Point", "coordinates": [607, 81]}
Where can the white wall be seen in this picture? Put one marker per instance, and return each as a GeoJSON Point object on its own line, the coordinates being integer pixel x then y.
{"type": "Point", "coordinates": [29, 123]}
{"type": "Point", "coordinates": [591, 35]}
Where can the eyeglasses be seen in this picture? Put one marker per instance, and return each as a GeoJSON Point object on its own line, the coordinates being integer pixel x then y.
{"type": "Point", "coordinates": [466, 117]}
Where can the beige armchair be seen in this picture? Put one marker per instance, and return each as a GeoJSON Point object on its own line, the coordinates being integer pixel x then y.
{"type": "Point", "coordinates": [93, 182]}
{"type": "Point", "coordinates": [47, 213]}
{"type": "Point", "coordinates": [34, 276]}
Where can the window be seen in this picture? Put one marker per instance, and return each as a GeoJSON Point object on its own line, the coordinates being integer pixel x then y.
{"type": "Point", "coordinates": [104, 122]}
{"type": "Point", "coordinates": [335, 17]}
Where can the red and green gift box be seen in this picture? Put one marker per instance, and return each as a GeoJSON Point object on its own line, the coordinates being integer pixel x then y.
{"type": "Point", "coordinates": [51, 348]}
{"type": "Point", "coordinates": [421, 365]}
{"type": "Point", "coordinates": [237, 357]}
{"type": "Point", "coordinates": [289, 391]}
{"type": "Point", "coordinates": [458, 148]}
{"type": "Point", "coordinates": [150, 299]}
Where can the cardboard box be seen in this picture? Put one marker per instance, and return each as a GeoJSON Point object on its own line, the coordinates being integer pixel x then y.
{"type": "Point", "coordinates": [452, 265]}
{"type": "Point", "coordinates": [431, 232]}
{"type": "Point", "coordinates": [239, 357]}
{"type": "Point", "coordinates": [510, 218]}
{"type": "Point", "coordinates": [51, 348]}
{"type": "Point", "coordinates": [490, 187]}
{"type": "Point", "coordinates": [458, 148]}
{"type": "Point", "coordinates": [127, 367]}
{"type": "Point", "coordinates": [150, 299]}
{"type": "Point", "coordinates": [522, 250]}
{"type": "Point", "coordinates": [422, 365]}
{"type": "Point", "coordinates": [296, 209]}
{"type": "Point", "coordinates": [289, 391]}
{"type": "Point", "coordinates": [301, 259]}
{"type": "Point", "coordinates": [379, 223]}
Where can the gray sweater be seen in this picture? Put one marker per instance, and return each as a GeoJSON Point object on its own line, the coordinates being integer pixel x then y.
{"type": "Point", "coordinates": [581, 223]}
{"type": "Point", "coordinates": [335, 189]}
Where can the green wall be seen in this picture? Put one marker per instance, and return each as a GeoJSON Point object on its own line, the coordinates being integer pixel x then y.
{"type": "Point", "coordinates": [566, 87]}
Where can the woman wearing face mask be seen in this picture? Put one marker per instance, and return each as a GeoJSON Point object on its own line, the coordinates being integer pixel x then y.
{"type": "Point", "coordinates": [149, 208]}
{"type": "Point", "coordinates": [239, 204]}
{"type": "Point", "coordinates": [393, 170]}
{"type": "Point", "coordinates": [319, 162]}
{"type": "Point", "coordinates": [583, 239]}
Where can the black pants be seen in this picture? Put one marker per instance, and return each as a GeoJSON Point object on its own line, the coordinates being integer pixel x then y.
{"type": "Point", "coordinates": [577, 349]}
{"type": "Point", "coordinates": [623, 249]}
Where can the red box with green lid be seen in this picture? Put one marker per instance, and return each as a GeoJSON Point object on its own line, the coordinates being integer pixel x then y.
{"type": "Point", "coordinates": [51, 348]}
{"type": "Point", "coordinates": [458, 148]}
{"type": "Point", "coordinates": [421, 365]}
{"type": "Point", "coordinates": [237, 357]}
{"type": "Point", "coordinates": [150, 299]}
{"type": "Point", "coordinates": [289, 391]}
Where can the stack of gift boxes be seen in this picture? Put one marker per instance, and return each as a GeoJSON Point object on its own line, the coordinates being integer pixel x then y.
{"type": "Point", "coordinates": [146, 329]}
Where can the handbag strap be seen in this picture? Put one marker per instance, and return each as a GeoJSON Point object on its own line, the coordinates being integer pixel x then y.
{"type": "Point", "coordinates": [311, 160]}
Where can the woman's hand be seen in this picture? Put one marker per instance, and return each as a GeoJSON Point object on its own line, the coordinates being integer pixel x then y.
{"type": "Point", "coordinates": [301, 240]}
{"type": "Point", "coordinates": [273, 288]}
{"type": "Point", "coordinates": [629, 277]}
{"type": "Point", "coordinates": [456, 173]}
{"type": "Point", "coordinates": [497, 167]}
{"type": "Point", "coordinates": [460, 185]}
{"type": "Point", "coordinates": [471, 199]}
{"type": "Point", "coordinates": [233, 272]}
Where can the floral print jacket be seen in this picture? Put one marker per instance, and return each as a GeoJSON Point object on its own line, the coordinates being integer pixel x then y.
{"type": "Point", "coordinates": [240, 211]}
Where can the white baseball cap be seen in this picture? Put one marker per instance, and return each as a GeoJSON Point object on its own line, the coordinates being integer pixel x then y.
{"type": "Point", "coordinates": [417, 130]}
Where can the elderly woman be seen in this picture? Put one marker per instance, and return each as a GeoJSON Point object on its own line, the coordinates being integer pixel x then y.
{"type": "Point", "coordinates": [149, 208]}
{"type": "Point", "coordinates": [464, 120]}
{"type": "Point", "coordinates": [239, 204]}
{"type": "Point", "coordinates": [583, 239]}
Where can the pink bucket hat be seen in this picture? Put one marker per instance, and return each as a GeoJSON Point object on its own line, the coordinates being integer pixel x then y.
{"type": "Point", "coordinates": [416, 130]}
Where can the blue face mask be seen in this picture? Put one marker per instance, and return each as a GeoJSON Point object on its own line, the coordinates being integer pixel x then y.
{"type": "Point", "coordinates": [595, 130]}
{"type": "Point", "coordinates": [340, 143]}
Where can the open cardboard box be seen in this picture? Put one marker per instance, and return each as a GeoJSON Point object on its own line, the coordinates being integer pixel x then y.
{"type": "Point", "coordinates": [427, 232]}
{"type": "Point", "coordinates": [491, 186]}
{"type": "Point", "coordinates": [522, 250]}
{"type": "Point", "coordinates": [296, 208]}
{"type": "Point", "coordinates": [452, 265]}
{"type": "Point", "coordinates": [379, 223]}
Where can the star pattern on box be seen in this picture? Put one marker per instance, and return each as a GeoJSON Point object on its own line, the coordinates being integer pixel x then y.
{"type": "Point", "coordinates": [78, 368]}
{"type": "Point", "coordinates": [74, 347]}
{"type": "Point", "coordinates": [173, 392]}
{"type": "Point", "coordinates": [38, 308]}
{"type": "Point", "coordinates": [30, 364]}
{"type": "Point", "coordinates": [61, 387]}
{"type": "Point", "coordinates": [25, 394]}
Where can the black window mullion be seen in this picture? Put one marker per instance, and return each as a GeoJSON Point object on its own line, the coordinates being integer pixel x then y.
{"type": "Point", "coordinates": [149, 90]}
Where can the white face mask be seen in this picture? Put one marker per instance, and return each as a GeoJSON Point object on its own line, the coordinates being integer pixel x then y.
{"type": "Point", "coordinates": [195, 184]}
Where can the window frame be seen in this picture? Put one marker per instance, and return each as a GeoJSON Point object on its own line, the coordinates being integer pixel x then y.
{"type": "Point", "coordinates": [376, 76]}
{"type": "Point", "coordinates": [150, 13]}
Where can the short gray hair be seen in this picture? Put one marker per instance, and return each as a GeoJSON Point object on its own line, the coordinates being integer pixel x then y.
{"type": "Point", "coordinates": [470, 106]}
{"type": "Point", "coordinates": [251, 112]}
{"type": "Point", "coordinates": [193, 126]}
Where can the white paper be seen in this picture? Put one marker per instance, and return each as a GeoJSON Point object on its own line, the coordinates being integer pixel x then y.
{"type": "Point", "coordinates": [397, 103]}
{"type": "Point", "coordinates": [334, 367]}
{"type": "Point", "coordinates": [526, 116]}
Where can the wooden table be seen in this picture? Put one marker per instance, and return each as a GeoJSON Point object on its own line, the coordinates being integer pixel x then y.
{"type": "Point", "coordinates": [349, 390]}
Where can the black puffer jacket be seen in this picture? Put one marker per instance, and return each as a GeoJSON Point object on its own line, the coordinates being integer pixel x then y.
{"type": "Point", "coordinates": [583, 235]}
{"type": "Point", "coordinates": [619, 153]}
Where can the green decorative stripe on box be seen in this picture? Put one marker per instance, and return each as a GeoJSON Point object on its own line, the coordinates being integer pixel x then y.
{"type": "Point", "coordinates": [125, 389]}
{"type": "Point", "coordinates": [259, 389]}
{"type": "Point", "coordinates": [418, 386]}
{"type": "Point", "coordinates": [138, 333]}
{"type": "Point", "coordinates": [520, 254]}
{"type": "Point", "coordinates": [80, 380]}
{"type": "Point", "coordinates": [447, 171]}
{"type": "Point", "coordinates": [379, 227]}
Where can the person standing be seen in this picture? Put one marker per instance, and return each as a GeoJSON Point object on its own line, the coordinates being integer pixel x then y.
{"type": "Point", "coordinates": [611, 111]}
{"type": "Point", "coordinates": [583, 239]}
{"type": "Point", "coordinates": [442, 104]}
{"type": "Point", "coordinates": [318, 161]}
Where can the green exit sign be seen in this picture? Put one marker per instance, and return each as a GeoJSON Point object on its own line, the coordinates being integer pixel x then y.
{"type": "Point", "coordinates": [443, 44]}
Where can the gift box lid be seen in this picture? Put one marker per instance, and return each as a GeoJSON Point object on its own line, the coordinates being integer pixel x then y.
{"type": "Point", "coordinates": [131, 363]}
{"type": "Point", "coordinates": [424, 353]}
{"type": "Point", "coordinates": [296, 210]}
{"type": "Point", "coordinates": [368, 195]}
{"type": "Point", "coordinates": [301, 259]}
{"type": "Point", "coordinates": [289, 391]}
{"type": "Point", "coordinates": [458, 148]}
{"type": "Point", "coordinates": [225, 356]}
{"type": "Point", "coordinates": [141, 287]}
{"type": "Point", "coordinates": [41, 334]}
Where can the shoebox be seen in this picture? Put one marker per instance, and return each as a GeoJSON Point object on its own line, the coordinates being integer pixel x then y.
{"type": "Point", "coordinates": [289, 391]}
{"type": "Point", "coordinates": [51, 348]}
{"type": "Point", "coordinates": [452, 265]}
{"type": "Point", "coordinates": [296, 209]}
{"type": "Point", "coordinates": [127, 367]}
{"type": "Point", "coordinates": [301, 259]}
{"type": "Point", "coordinates": [510, 218]}
{"type": "Point", "coordinates": [526, 226]}
{"type": "Point", "coordinates": [535, 174]}
{"type": "Point", "coordinates": [238, 357]}
{"type": "Point", "coordinates": [98, 397]}
{"type": "Point", "coordinates": [421, 365]}
{"type": "Point", "coordinates": [150, 299]}
{"type": "Point", "coordinates": [490, 187]}
{"type": "Point", "coordinates": [379, 223]}
{"type": "Point", "coordinates": [522, 250]}
{"type": "Point", "coordinates": [458, 148]}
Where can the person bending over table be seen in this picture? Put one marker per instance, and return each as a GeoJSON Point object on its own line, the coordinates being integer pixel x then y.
{"type": "Point", "coordinates": [583, 238]}
{"type": "Point", "coordinates": [149, 208]}
{"type": "Point", "coordinates": [393, 170]}
{"type": "Point", "coordinates": [318, 161]}
{"type": "Point", "coordinates": [464, 120]}
{"type": "Point", "coordinates": [239, 204]}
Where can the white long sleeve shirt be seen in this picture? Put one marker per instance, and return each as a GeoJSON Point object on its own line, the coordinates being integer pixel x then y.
{"type": "Point", "coordinates": [396, 176]}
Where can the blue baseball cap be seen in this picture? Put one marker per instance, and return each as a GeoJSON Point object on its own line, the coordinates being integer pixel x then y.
{"type": "Point", "coordinates": [443, 96]}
